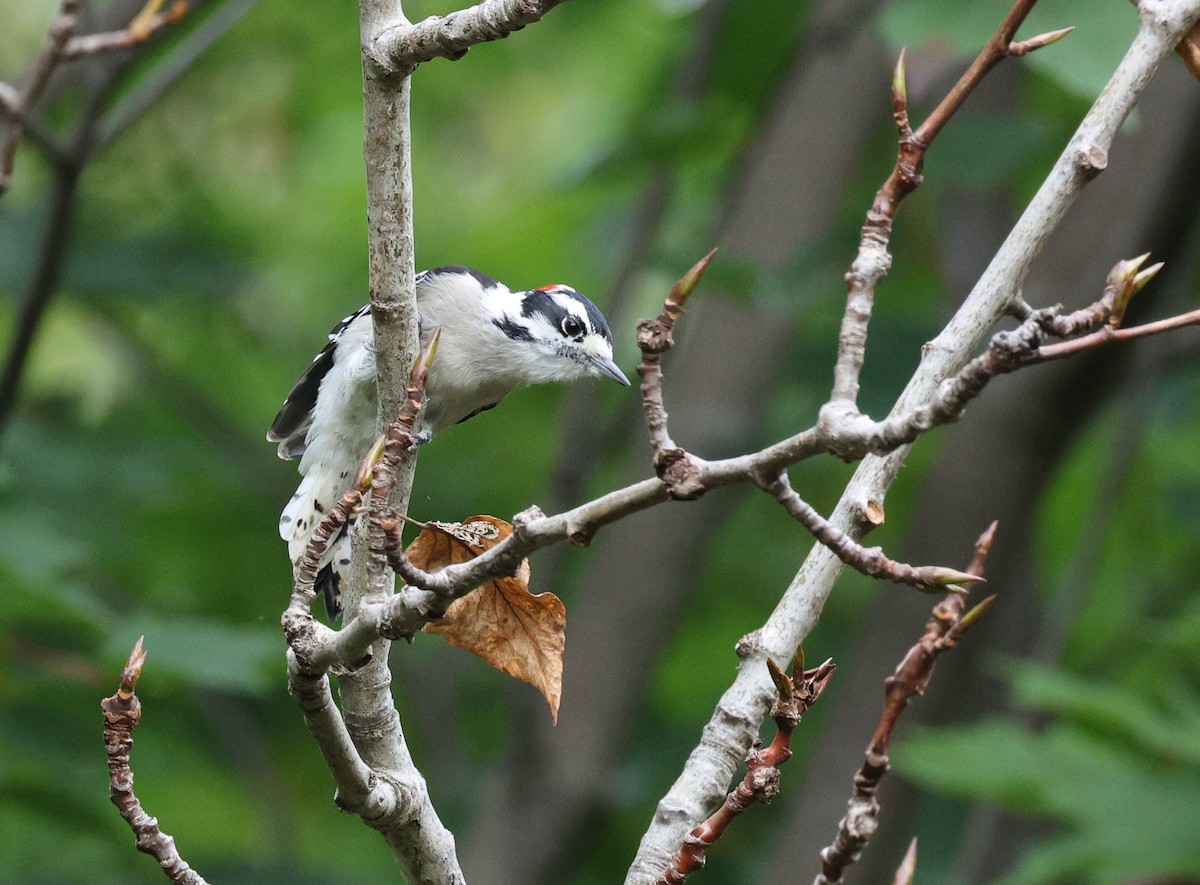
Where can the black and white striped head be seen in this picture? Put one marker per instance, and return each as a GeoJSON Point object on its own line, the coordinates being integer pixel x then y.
{"type": "Point", "coordinates": [566, 329]}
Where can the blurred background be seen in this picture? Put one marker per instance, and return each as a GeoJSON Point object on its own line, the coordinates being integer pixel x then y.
{"type": "Point", "coordinates": [179, 259]}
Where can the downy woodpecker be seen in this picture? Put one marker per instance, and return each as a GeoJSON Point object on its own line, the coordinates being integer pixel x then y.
{"type": "Point", "coordinates": [493, 341]}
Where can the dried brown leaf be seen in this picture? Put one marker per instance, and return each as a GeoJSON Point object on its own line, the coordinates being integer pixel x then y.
{"type": "Point", "coordinates": [502, 622]}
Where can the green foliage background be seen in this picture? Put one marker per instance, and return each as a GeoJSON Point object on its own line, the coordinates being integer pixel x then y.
{"type": "Point", "coordinates": [221, 237]}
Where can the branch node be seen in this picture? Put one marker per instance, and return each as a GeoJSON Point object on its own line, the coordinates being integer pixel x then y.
{"type": "Point", "coordinates": [1092, 160]}
{"type": "Point", "coordinates": [680, 474]}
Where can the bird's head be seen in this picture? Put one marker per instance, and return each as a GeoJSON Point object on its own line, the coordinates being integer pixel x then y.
{"type": "Point", "coordinates": [568, 330]}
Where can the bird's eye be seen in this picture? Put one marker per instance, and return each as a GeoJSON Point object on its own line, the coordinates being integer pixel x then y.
{"type": "Point", "coordinates": [572, 327]}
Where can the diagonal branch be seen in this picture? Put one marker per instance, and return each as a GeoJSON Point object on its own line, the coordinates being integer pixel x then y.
{"type": "Point", "coordinates": [873, 260]}
{"type": "Point", "coordinates": [401, 46]}
{"type": "Point", "coordinates": [51, 254]}
{"type": "Point", "coordinates": [63, 45]}
{"type": "Point", "coordinates": [145, 25]}
{"type": "Point", "coordinates": [797, 693]}
{"type": "Point", "coordinates": [870, 561]}
{"type": "Point", "coordinates": [709, 769]}
{"type": "Point", "coordinates": [946, 625]}
{"type": "Point", "coordinates": [429, 593]}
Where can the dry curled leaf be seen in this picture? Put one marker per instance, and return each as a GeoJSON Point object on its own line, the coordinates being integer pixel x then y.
{"type": "Point", "coordinates": [502, 622]}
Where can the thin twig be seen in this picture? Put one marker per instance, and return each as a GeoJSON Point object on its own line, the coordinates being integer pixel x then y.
{"type": "Point", "coordinates": [673, 465]}
{"type": "Point", "coordinates": [18, 103]}
{"type": "Point", "coordinates": [942, 632]}
{"type": "Point", "coordinates": [63, 45]}
{"type": "Point", "coordinates": [873, 259]}
{"type": "Point", "coordinates": [52, 251]}
{"type": "Point", "coordinates": [145, 25]}
{"type": "Point", "coordinates": [122, 712]}
{"type": "Point", "coordinates": [797, 693]}
{"type": "Point", "coordinates": [129, 108]}
{"type": "Point", "coordinates": [870, 561]}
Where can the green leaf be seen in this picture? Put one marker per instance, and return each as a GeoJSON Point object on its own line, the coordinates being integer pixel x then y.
{"type": "Point", "coordinates": [1123, 817]}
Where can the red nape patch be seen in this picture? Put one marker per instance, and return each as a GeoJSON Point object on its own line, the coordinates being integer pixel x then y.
{"type": "Point", "coordinates": [552, 288]}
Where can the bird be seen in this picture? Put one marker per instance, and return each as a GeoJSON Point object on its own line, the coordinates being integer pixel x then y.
{"type": "Point", "coordinates": [494, 340]}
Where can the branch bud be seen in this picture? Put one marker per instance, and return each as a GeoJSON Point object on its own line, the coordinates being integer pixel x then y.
{"type": "Point", "coordinates": [939, 576]}
{"type": "Point", "coordinates": [133, 666]}
{"type": "Point", "coordinates": [908, 866]}
{"type": "Point", "coordinates": [366, 468]}
{"type": "Point", "coordinates": [967, 621]}
{"type": "Point", "coordinates": [428, 352]}
{"type": "Point", "coordinates": [1125, 270]}
{"type": "Point", "coordinates": [688, 282]}
{"type": "Point", "coordinates": [1128, 279]}
{"type": "Point", "coordinates": [783, 684]}
{"type": "Point", "coordinates": [900, 80]}
{"type": "Point", "coordinates": [1024, 47]}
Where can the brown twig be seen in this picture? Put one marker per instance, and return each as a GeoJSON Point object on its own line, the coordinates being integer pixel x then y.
{"type": "Point", "coordinates": [942, 632]}
{"type": "Point", "coordinates": [62, 45]}
{"type": "Point", "coordinates": [674, 466]}
{"type": "Point", "coordinates": [330, 526]}
{"type": "Point", "coordinates": [398, 442]}
{"type": "Point", "coordinates": [122, 712]}
{"type": "Point", "coordinates": [1108, 335]}
{"type": "Point", "coordinates": [144, 25]}
{"type": "Point", "coordinates": [1017, 348]}
{"type": "Point", "coordinates": [1189, 51]}
{"type": "Point", "coordinates": [42, 286]}
{"type": "Point", "coordinates": [873, 260]}
{"type": "Point", "coordinates": [18, 102]}
{"type": "Point", "coordinates": [870, 561]}
{"type": "Point", "coordinates": [796, 694]}
{"type": "Point", "coordinates": [377, 473]}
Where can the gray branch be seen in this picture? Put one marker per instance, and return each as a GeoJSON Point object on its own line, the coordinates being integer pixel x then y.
{"type": "Point", "coordinates": [401, 45]}
{"type": "Point", "coordinates": [365, 745]}
{"type": "Point", "coordinates": [709, 769]}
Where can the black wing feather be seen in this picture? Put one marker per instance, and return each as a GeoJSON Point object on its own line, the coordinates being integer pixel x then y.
{"type": "Point", "coordinates": [295, 415]}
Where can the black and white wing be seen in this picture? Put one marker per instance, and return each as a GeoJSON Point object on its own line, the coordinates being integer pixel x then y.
{"type": "Point", "coordinates": [291, 425]}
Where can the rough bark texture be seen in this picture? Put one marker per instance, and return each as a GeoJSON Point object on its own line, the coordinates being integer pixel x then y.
{"type": "Point", "coordinates": [643, 571]}
{"type": "Point", "coordinates": [996, 462]}
{"type": "Point", "coordinates": [1084, 156]}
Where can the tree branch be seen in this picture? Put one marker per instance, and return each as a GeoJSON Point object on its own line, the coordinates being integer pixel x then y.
{"type": "Point", "coordinates": [62, 45]}
{"type": "Point", "coordinates": [909, 680]}
{"type": "Point", "coordinates": [364, 744]}
{"type": "Point", "coordinates": [71, 156]}
{"type": "Point", "coordinates": [145, 25]}
{"type": "Point", "coordinates": [52, 250]}
{"type": "Point", "coordinates": [17, 103]}
{"type": "Point", "coordinates": [708, 770]}
{"type": "Point", "coordinates": [873, 259]}
{"type": "Point", "coordinates": [797, 694]}
{"type": "Point", "coordinates": [122, 713]}
{"type": "Point", "coordinates": [685, 477]}
{"type": "Point", "coordinates": [401, 46]}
